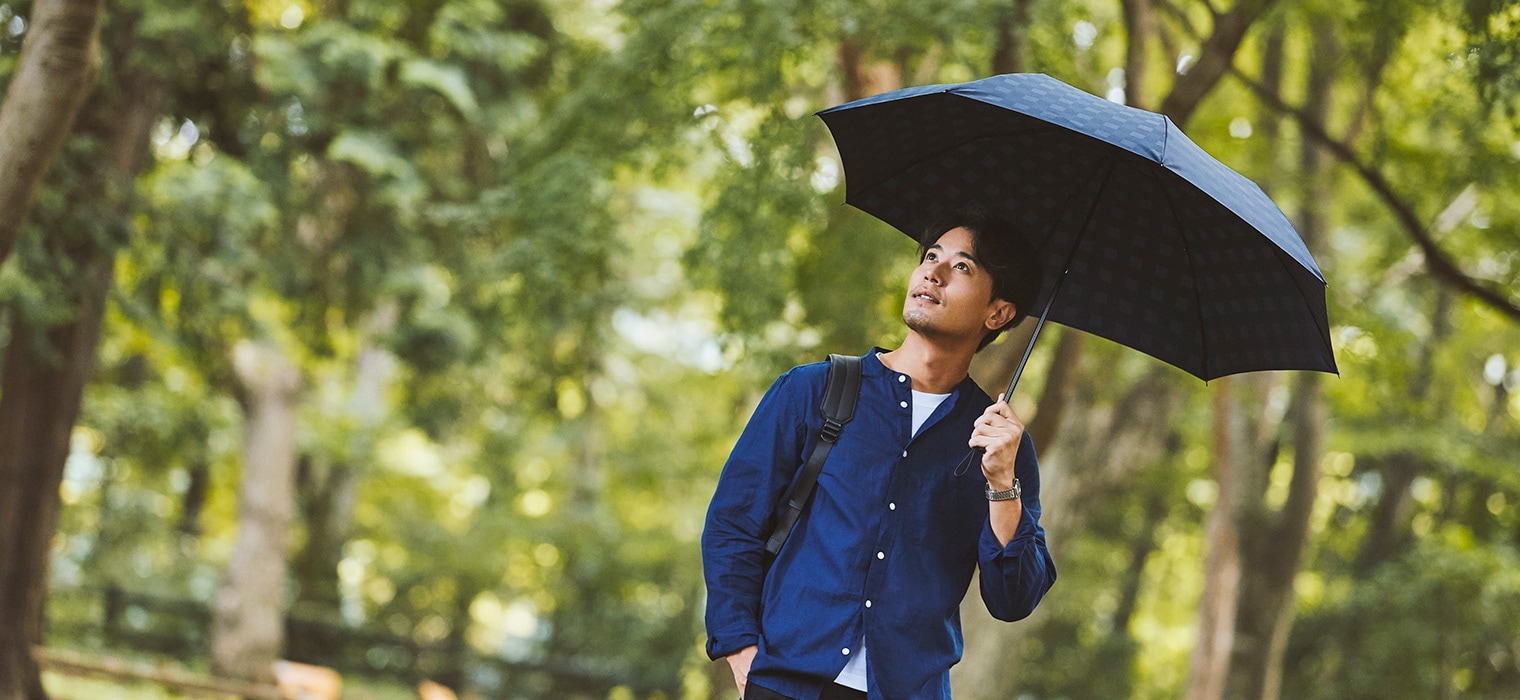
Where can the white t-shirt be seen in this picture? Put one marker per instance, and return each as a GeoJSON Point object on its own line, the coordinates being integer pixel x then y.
{"type": "Point", "coordinates": [854, 673]}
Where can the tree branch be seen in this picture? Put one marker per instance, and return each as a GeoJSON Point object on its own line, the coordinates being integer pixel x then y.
{"type": "Point", "coordinates": [1216, 56]}
{"type": "Point", "coordinates": [1437, 261]}
{"type": "Point", "coordinates": [1178, 16]}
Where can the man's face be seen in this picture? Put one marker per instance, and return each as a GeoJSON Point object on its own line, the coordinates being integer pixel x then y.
{"type": "Point", "coordinates": [950, 293]}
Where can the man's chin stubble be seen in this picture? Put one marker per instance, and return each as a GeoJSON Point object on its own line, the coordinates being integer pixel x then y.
{"type": "Point", "coordinates": [916, 320]}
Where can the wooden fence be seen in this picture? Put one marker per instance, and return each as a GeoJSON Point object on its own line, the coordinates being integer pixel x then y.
{"type": "Point", "coordinates": [180, 629]}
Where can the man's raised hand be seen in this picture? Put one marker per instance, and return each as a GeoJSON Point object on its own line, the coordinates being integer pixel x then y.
{"type": "Point", "coordinates": [998, 432]}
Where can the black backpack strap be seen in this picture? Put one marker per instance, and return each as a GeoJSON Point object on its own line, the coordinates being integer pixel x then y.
{"type": "Point", "coordinates": [838, 408]}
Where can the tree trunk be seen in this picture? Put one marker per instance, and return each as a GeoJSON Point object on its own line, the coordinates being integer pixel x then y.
{"type": "Point", "coordinates": [44, 377]}
{"type": "Point", "coordinates": [1060, 388]}
{"type": "Point", "coordinates": [327, 496]}
{"type": "Point", "coordinates": [194, 501]}
{"type": "Point", "coordinates": [1275, 563]}
{"type": "Point", "coordinates": [247, 632]}
{"type": "Point", "coordinates": [1388, 526]}
{"type": "Point", "coordinates": [329, 491]}
{"type": "Point", "coordinates": [1274, 543]}
{"type": "Point", "coordinates": [1141, 547]}
{"type": "Point", "coordinates": [851, 69]}
{"type": "Point", "coordinates": [1011, 53]}
{"type": "Point", "coordinates": [1273, 48]}
{"type": "Point", "coordinates": [1210, 660]}
{"type": "Point", "coordinates": [57, 69]}
{"type": "Point", "coordinates": [1139, 22]}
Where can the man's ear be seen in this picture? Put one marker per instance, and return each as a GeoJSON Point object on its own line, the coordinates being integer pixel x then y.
{"type": "Point", "coordinates": [1003, 311]}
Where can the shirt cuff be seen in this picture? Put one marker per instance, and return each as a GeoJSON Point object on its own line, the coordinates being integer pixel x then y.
{"type": "Point", "coordinates": [726, 642]}
{"type": "Point", "coordinates": [1022, 536]}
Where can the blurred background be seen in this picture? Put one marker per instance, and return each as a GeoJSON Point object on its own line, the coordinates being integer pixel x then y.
{"type": "Point", "coordinates": [408, 339]}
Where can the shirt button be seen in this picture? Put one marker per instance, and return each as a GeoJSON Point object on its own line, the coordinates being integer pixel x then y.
{"type": "Point", "coordinates": [891, 506]}
{"type": "Point", "coordinates": [881, 555]}
{"type": "Point", "coordinates": [904, 404]}
{"type": "Point", "coordinates": [901, 379]}
{"type": "Point", "coordinates": [868, 603]}
{"type": "Point", "coordinates": [905, 453]}
{"type": "Point", "coordinates": [846, 652]}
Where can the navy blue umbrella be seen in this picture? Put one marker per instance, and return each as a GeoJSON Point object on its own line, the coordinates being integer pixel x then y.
{"type": "Point", "coordinates": [1150, 241]}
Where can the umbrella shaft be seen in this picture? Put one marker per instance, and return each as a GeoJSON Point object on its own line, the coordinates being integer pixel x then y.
{"type": "Point", "coordinates": [1008, 396]}
{"type": "Point", "coordinates": [1065, 268]}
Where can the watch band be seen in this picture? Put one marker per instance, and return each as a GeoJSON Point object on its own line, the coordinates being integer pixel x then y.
{"type": "Point", "coordinates": [1009, 495]}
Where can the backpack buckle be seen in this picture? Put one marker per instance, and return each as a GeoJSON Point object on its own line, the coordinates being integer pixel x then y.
{"type": "Point", "coordinates": [831, 430]}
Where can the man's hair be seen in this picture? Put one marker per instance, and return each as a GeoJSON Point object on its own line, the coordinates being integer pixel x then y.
{"type": "Point", "coordinates": [1003, 253]}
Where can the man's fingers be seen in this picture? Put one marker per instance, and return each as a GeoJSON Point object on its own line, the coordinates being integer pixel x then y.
{"type": "Point", "coordinates": [996, 421]}
{"type": "Point", "coordinates": [1000, 409]}
{"type": "Point", "coordinates": [994, 436]}
{"type": "Point", "coordinates": [984, 441]}
{"type": "Point", "coordinates": [994, 432]}
{"type": "Point", "coordinates": [1000, 428]}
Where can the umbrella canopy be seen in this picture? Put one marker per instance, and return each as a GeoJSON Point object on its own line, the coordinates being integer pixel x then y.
{"type": "Point", "coordinates": [1151, 242]}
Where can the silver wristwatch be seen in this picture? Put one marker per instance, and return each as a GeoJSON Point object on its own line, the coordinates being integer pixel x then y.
{"type": "Point", "coordinates": [1009, 495]}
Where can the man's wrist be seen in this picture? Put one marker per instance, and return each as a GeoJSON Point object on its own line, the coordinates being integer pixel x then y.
{"type": "Point", "coordinates": [1010, 493]}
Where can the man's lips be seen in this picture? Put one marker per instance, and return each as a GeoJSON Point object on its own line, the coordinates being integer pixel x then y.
{"type": "Point", "coordinates": [925, 296]}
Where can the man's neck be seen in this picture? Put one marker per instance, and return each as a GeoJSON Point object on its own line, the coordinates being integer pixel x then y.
{"type": "Point", "coordinates": [935, 368]}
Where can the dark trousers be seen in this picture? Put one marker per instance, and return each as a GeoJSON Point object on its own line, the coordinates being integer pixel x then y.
{"type": "Point", "coordinates": [832, 691]}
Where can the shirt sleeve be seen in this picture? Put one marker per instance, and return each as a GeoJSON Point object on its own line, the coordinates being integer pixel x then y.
{"type": "Point", "coordinates": [740, 517]}
{"type": "Point", "coordinates": [1015, 577]}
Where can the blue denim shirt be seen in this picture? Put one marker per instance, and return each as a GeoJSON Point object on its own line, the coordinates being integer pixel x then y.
{"type": "Point", "coordinates": [885, 549]}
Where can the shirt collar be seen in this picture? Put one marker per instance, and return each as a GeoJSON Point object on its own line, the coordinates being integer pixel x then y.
{"type": "Point", "coordinates": [871, 366]}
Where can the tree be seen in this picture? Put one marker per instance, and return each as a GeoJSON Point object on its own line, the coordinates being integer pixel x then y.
{"type": "Point", "coordinates": [247, 634]}
{"type": "Point", "coordinates": [46, 364]}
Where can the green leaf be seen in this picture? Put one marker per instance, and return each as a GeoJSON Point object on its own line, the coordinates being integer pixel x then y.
{"type": "Point", "coordinates": [447, 81]}
{"type": "Point", "coordinates": [372, 151]}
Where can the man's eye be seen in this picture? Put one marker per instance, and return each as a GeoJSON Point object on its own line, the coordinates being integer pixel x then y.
{"type": "Point", "coordinates": [963, 267]}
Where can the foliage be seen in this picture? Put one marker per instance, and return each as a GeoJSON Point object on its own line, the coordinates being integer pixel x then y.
{"type": "Point", "coordinates": [537, 260]}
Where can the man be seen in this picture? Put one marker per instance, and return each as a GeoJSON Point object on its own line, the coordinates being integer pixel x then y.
{"type": "Point", "coordinates": [863, 599]}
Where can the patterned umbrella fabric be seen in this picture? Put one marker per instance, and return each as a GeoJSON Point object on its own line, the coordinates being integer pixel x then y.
{"type": "Point", "coordinates": [1166, 250]}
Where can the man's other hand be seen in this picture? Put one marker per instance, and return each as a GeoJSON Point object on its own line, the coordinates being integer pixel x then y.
{"type": "Point", "coordinates": [739, 661]}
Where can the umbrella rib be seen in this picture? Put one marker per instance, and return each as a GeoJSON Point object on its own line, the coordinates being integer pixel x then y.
{"type": "Point", "coordinates": [1203, 338]}
{"type": "Point", "coordinates": [1326, 349]}
{"type": "Point", "coordinates": [931, 156]}
{"type": "Point", "coordinates": [1071, 255]}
